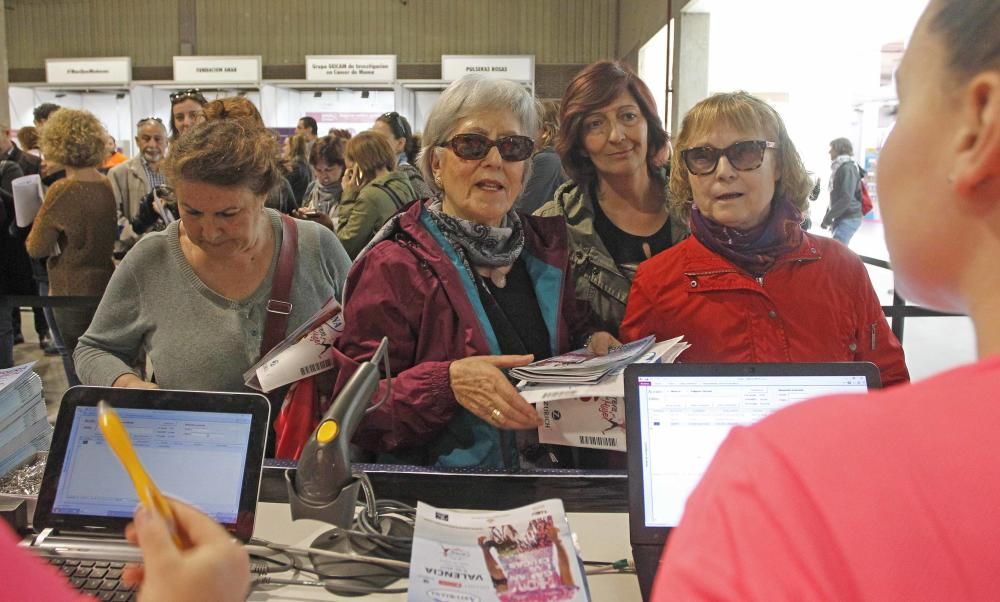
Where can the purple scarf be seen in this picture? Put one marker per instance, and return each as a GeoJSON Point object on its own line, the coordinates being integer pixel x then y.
{"type": "Point", "coordinates": [756, 249]}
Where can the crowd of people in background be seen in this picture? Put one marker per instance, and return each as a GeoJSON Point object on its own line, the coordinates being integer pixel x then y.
{"type": "Point", "coordinates": [446, 253]}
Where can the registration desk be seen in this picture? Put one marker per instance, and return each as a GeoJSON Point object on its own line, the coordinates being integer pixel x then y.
{"type": "Point", "coordinates": [596, 503]}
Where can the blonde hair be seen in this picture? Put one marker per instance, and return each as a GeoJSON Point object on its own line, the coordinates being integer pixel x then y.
{"type": "Point", "coordinates": [548, 113]}
{"type": "Point", "coordinates": [74, 138]}
{"type": "Point", "coordinates": [747, 114]}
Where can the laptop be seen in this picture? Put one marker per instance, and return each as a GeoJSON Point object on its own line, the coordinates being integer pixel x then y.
{"type": "Point", "coordinates": [676, 417]}
{"type": "Point", "coordinates": [205, 448]}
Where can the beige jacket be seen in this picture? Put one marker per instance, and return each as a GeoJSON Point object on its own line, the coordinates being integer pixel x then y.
{"type": "Point", "coordinates": [129, 184]}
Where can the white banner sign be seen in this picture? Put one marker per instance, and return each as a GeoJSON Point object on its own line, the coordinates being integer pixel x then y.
{"type": "Point", "coordinates": [217, 69]}
{"type": "Point", "coordinates": [104, 71]}
{"type": "Point", "coordinates": [370, 69]}
{"type": "Point", "coordinates": [517, 68]}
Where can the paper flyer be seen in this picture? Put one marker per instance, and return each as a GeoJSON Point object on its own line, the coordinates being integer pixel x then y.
{"type": "Point", "coordinates": [305, 352]}
{"type": "Point", "coordinates": [522, 555]}
{"type": "Point", "coordinates": [27, 193]}
{"type": "Point", "coordinates": [592, 416]}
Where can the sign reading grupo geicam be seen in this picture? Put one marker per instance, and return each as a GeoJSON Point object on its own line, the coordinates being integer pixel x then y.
{"type": "Point", "coordinates": [347, 69]}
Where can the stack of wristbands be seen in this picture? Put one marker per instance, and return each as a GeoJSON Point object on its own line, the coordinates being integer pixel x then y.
{"type": "Point", "coordinates": [24, 427]}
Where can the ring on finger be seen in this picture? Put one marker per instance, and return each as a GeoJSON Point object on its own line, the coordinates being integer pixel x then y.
{"type": "Point", "coordinates": [496, 415]}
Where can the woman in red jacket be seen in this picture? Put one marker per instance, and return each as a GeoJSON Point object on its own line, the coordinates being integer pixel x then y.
{"type": "Point", "coordinates": [750, 285]}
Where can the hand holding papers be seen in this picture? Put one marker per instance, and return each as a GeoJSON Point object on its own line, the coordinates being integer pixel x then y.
{"type": "Point", "coordinates": [583, 414]}
{"type": "Point", "coordinates": [582, 366]}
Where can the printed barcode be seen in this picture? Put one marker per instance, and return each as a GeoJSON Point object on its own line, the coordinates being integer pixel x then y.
{"type": "Point", "coordinates": [314, 368]}
{"type": "Point", "coordinates": [602, 441]}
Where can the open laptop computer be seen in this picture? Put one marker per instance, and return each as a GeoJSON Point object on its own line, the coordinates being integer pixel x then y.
{"type": "Point", "coordinates": [676, 417]}
{"type": "Point", "coordinates": [205, 448]}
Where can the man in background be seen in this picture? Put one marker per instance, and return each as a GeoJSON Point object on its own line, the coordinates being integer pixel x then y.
{"type": "Point", "coordinates": [135, 178]}
{"type": "Point", "coordinates": [307, 127]}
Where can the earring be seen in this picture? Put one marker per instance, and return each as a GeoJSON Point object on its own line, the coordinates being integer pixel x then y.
{"type": "Point", "coordinates": [437, 181]}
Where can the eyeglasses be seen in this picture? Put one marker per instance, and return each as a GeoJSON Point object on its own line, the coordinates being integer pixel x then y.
{"type": "Point", "coordinates": [145, 119]}
{"type": "Point", "coordinates": [192, 93]}
{"type": "Point", "coordinates": [392, 119]}
{"type": "Point", "coordinates": [474, 147]}
{"type": "Point", "coordinates": [747, 155]}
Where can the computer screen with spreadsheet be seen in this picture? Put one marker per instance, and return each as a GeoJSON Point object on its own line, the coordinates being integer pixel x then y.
{"type": "Point", "coordinates": [678, 414]}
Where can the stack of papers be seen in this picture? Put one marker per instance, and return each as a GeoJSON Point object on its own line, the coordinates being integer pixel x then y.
{"type": "Point", "coordinates": [592, 415]}
{"type": "Point", "coordinates": [24, 428]}
{"type": "Point", "coordinates": [524, 554]}
{"type": "Point", "coordinates": [582, 366]}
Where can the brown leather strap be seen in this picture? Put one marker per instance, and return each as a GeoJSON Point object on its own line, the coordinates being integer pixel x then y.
{"type": "Point", "coordinates": [279, 304]}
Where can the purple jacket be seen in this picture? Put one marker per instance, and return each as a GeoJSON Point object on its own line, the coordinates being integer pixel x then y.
{"type": "Point", "coordinates": [410, 288]}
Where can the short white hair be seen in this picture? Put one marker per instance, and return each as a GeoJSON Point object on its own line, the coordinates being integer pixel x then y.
{"type": "Point", "coordinates": [466, 96]}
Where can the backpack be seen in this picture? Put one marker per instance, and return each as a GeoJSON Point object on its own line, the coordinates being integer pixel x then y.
{"type": "Point", "coordinates": [866, 199]}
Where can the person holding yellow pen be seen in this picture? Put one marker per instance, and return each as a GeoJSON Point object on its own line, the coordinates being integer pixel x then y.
{"type": "Point", "coordinates": [214, 567]}
{"type": "Point", "coordinates": [186, 554]}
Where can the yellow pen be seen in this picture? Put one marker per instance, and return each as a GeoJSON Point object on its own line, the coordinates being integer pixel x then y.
{"type": "Point", "coordinates": [149, 495]}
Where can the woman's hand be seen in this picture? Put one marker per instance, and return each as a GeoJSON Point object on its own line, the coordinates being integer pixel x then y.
{"type": "Point", "coordinates": [131, 381]}
{"type": "Point", "coordinates": [214, 567]}
{"type": "Point", "coordinates": [351, 181]}
{"type": "Point", "coordinates": [314, 216]}
{"type": "Point", "coordinates": [601, 342]}
{"type": "Point", "coordinates": [480, 387]}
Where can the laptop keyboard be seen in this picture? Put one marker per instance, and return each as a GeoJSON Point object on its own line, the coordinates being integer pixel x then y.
{"type": "Point", "coordinates": [100, 579]}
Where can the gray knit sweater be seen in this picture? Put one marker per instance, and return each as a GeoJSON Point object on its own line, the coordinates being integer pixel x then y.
{"type": "Point", "coordinates": [197, 339]}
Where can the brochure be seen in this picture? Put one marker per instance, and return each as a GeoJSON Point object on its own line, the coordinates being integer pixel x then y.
{"type": "Point", "coordinates": [27, 193]}
{"type": "Point", "coordinates": [592, 416]}
{"type": "Point", "coordinates": [582, 366]}
{"type": "Point", "coordinates": [522, 555]}
{"type": "Point", "coordinates": [306, 351]}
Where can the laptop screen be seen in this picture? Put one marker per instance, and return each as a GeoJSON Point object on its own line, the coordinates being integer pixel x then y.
{"type": "Point", "coordinates": [683, 421]}
{"type": "Point", "coordinates": [197, 457]}
{"type": "Point", "coordinates": [204, 448]}
{"type": "Point", "coordinates": [677, 415]}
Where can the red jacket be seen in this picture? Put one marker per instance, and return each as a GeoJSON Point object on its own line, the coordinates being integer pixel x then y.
{"type": "Point", "coordinates": [815, 305]}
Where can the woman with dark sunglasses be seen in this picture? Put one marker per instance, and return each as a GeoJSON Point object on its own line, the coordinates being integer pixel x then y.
{"type": "Point", "coordinates": [187, 109]}
{"type": "Point", "coordinates": [612, 146]}
{"type": "Point", "coordinates": [464, 288]}
{"type": "Point", "coordinates": [749, 285]}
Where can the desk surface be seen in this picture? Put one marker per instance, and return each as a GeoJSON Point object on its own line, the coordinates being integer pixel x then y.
{"type": "Point", "coordinates": [601, 537]}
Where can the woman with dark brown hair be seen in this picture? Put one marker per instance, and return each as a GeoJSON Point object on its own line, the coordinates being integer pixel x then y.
{"type": "Point", "coordinates": [194, 295]}
{"type": "Point", "coordinates": [187, 109]}
{"type": "Point", "coordinates": [616, 205]}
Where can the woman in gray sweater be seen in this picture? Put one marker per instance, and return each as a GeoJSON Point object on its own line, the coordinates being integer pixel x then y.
{"type": "Point", "coordinates": [193, 296]}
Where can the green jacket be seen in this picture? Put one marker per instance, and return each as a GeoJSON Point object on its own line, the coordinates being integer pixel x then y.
{"type": "Point", "coordinates": [360, 215]}
{"type": "Point", "coordinates": [599, 281]}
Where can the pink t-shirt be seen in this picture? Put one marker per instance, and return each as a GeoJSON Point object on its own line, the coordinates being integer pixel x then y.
{"type": "Point", "coordinates": [890, 496]}
{"type": "Point", "coordinates": [25, 578]}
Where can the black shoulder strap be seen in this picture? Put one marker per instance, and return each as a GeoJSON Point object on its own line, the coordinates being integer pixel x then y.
{"type": "Point", "coordinates": [398, 202]}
